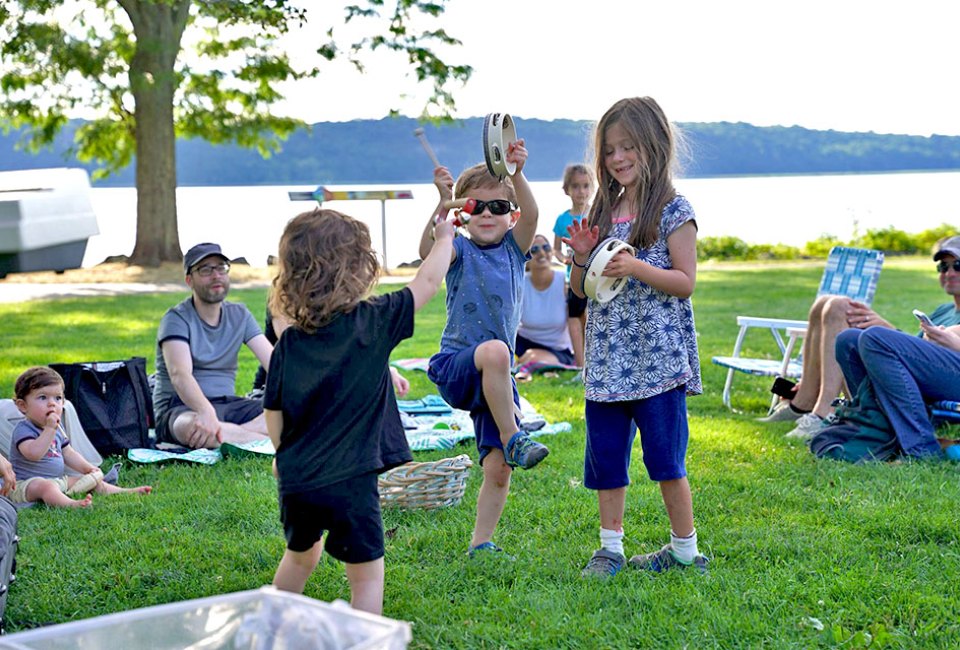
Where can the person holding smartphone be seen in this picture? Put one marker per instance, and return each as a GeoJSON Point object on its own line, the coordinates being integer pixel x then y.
{"type": "Point", "coordinates": [822, 378]}
{"type": "Point", "coordinates": [908, 371]}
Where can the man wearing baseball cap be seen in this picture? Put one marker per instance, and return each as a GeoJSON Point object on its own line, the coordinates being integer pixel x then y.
{"type": "Point", "coordinates": [907, 371]}
{"type": "Point", "coordinates": [198, 343]}
{"type": "Point", "coordinates": [822, 377]}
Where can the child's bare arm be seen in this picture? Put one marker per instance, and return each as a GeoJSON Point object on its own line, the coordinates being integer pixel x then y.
{"type": "Point", "coordinates": [75, 461]}
{"type": "Point", "coordinates": [558, 249]}
{"type": "Point", "coordinates": [36, 448]}
{"type": "Point", "coordinates": [274, 425]}
{"type": "Point", "coordinates": [426, 283]}
{"type": "Point", "coordinates": [526, 228]}
{"type": "Point", "coordinates": [443, 180]}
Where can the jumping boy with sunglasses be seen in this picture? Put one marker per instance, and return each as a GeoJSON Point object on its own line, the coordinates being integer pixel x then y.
{"type": "Point", "coordinates": [831, 315]}
{"type": "Point", "coordinates": [484, 287]}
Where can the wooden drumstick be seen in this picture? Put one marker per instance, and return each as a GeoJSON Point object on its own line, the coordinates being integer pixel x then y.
{"type": "Point", "coordinates": [419, 132]}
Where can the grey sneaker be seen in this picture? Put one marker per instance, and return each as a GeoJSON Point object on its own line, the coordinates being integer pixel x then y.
{"type": "Point", "coordinates": [781, 413]}
{"type": "Point", "coordinates": [604, 564]}
{"type": "Point", "coordinates": [523, 452]}
{"type": "Point", "coordinates": [664, 560]}
{"type": "Point", "coordinates": [808, 425]}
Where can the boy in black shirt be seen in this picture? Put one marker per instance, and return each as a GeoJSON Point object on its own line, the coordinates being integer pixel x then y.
{"type": "Point", "coordinates": [331, 411]}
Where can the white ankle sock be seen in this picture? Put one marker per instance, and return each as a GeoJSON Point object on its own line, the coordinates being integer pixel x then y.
{"type": "Point", "coordinates": [684, 548]}
{"type": "Point", "coordinates": [612, 540]}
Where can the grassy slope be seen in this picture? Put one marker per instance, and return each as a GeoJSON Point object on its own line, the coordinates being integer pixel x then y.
{"type": "Point", "coordinates": [795, 543]}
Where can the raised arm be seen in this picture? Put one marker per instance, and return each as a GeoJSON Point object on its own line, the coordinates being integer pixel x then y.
{"type": "Point", "coordinates": [582, 241]}
{"type": "Point", "coordinates": [526, 228]}
{"type": "Point", "coordinates": [443, 180]}
{"type": "Point", "coordinates": [426, 283]}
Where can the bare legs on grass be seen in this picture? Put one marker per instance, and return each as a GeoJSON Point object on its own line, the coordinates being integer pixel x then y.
{"type": "Point", "coordinates": [365, 578]}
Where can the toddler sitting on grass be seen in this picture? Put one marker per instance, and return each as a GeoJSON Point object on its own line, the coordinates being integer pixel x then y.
{"type": "Point", "coordinates": [40, 450]}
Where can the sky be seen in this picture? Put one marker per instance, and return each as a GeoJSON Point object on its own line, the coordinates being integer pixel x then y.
{"type": "Point", "coordinates": [847, 65]}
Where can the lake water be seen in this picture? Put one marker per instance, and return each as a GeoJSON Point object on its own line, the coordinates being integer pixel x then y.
{"type": "Point", "coordinates": [248, 221]}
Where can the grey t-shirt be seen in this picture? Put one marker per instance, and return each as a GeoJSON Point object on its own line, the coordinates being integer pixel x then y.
{"type": "Point", "coordinates": [214, 349]}
{"type": "Point", "coordinates": [50, 466]}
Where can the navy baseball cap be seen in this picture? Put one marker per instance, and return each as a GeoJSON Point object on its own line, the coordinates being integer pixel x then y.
{"type": "Point", "coordinates": [199, 253]}
{"type": "Point", "coordinates": [949, 247]}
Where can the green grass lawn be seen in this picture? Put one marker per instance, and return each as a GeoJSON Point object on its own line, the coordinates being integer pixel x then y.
{"type": "Point", "coordinates": [805, 553]}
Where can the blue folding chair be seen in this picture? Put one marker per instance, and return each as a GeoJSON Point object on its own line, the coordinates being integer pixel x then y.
{"type": "Point", "coordinates": [945, 411]}
{"type": "Point", "coordinates": [851, 272]}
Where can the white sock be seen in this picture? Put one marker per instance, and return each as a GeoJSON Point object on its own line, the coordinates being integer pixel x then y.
{"type": "Point", "coordinates": [685, 548]}
{"type": "Point", "coordinates": [612, 540]}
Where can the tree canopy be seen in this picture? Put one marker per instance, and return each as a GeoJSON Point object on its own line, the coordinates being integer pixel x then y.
{"type": "Point", "coordinates": [144, 72]}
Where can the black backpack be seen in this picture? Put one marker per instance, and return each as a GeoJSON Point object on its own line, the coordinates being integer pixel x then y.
{"type": "Point", "coordinates": [113, 401]}
{"type": "Point", "coordinates": [862, 432]}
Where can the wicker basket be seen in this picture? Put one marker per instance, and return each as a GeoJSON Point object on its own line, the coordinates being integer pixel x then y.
{"type": "Point", "coordinates": [434, 484]}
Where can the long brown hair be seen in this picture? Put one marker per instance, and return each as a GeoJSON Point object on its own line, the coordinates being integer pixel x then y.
{"type": "Point", "coordinates": [655, 139]}
{"type": "Point", "coordinates": [327, 266]}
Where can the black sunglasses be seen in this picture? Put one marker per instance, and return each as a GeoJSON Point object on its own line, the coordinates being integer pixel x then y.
{"type": "Point", "coordinates": [546, 248]}
{"type": "Point", "coordinates": [944, 266]}
{"type": "Point", "coordinates": [496, 206]}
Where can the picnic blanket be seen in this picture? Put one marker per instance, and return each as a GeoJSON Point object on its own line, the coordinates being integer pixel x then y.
{"type": "Point", "coordinates": [529, 368]}
{"type": "Point", "coordinates": [443, 430]}
{"type": "Point", "coordinates": [419, 363]}
{"type": "Point", "coordinates": [202, 456]}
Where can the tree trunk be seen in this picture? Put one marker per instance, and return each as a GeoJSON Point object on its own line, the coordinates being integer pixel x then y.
{"type": "Point", "coordinates": [158, 28]}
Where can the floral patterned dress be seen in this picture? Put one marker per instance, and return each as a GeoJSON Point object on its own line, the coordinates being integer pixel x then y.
{"type": "Point", "coordinates": [643, 342]}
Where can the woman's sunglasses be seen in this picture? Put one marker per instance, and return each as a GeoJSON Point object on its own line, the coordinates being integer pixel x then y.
{"type": "Point", "coordinates": [546, 248]}
{"type": "Point", "coordinates": [944, 266]}
{"type": "Point", "coordinates": [496, 206]}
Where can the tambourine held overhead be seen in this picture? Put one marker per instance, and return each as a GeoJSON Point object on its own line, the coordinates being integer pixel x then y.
{"type": "Point", "coordinates": [596, 285]}
{"type": "Point", "coordinates": [499, 130]}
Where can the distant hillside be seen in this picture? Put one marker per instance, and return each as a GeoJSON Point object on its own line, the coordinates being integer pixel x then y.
{"type": "Point", "coordinates": [386, 151]}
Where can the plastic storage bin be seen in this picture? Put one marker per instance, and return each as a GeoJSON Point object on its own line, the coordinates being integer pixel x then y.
{"type": "Point", "coordinates": [46, 219]}
{"type": "Point", "coordinates": [260, 619]}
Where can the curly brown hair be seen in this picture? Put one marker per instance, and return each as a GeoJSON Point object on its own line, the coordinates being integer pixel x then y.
{"type": "Point", "coordinates": [326, 267]}
{"type": "Point", "coordinates": [34, 378]}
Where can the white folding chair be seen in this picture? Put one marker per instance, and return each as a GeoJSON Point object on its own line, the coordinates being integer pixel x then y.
{"type": "Point", "coordinates": [851, 272]}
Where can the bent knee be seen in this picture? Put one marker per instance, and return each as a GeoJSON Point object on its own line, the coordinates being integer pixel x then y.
{"type": "Point", "coordinates": [835, 307]}
{"type": "Point", "coordinates": [493, 355]}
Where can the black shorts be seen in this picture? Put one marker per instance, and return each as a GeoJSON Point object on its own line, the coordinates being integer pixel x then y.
{"type": "Point", "coordinates": [348, 510]}
{"type": "Point", "coordinates": [230, 408]}
{"type": "Point", "coordinates": [575, 304]}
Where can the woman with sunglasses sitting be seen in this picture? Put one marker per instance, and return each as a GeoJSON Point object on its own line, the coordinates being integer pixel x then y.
{"type": "Point", "coordinates": [543, 339]}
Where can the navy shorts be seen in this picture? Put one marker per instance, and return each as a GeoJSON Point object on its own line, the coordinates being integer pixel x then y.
{"type": "Point", "coordinates": [461, 386]}
{"type": "Point", "coordinates": [349, 511]}
{"type": "Point", "coordinates": [612, 427]}
{"type": "Point", "coordinates": [523, 344]}
{"type": "Point", "coordinates": [229, 408]}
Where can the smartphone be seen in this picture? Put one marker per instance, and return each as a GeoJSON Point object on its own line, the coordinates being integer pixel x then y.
{"type": "Point", "coordinates": [784, 388]}
{"type": "Point", "coordinates": [923, 318]}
